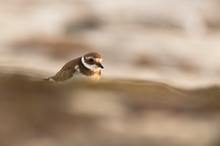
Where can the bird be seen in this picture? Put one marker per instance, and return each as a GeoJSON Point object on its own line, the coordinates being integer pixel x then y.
{"type": "Point", "coordinates": [88, 65]}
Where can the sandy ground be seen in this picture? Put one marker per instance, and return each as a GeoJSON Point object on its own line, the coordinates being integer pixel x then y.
{"type": "Point", "coordinates": [109, 112]}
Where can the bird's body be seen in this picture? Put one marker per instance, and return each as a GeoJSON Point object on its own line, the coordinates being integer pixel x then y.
{"type": "Point", "coordinates": [88, 66]}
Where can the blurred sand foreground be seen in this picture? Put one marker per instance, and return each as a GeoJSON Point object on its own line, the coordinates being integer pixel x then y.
{"type": "Point", "coordinates": [109, 112]}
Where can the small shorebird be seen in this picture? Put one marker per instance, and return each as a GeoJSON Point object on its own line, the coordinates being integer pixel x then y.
{"type": "Point", "coordinates": [88, 65]}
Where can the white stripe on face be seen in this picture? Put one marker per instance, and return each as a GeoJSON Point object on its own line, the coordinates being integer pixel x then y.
{"type": "Point", "coordinates": [96, 59]}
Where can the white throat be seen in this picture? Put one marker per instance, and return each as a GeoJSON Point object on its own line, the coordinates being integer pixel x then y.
{"type": "Point", "coordinates": [88, 66]}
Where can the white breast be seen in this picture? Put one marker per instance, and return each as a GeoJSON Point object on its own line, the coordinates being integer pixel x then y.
{"type": "Point", "coordinates": [78, 75]}
{"type": "Point", "coordinates": [95, 77]}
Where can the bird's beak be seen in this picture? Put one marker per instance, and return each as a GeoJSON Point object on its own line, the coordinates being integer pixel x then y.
{"type": "Point", "coordinates": [100, 65]}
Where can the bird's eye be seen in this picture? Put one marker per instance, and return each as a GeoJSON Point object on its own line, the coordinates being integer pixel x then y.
{"type": "Point", "coordinates": [91, 60]}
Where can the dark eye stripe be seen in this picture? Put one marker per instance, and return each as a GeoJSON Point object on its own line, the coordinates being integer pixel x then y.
{"type": "Point", "coordinates": [91, 60]}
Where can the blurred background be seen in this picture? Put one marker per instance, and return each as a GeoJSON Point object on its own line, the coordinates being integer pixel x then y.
{"type": "Point", "coordinates": [159, 86]}
{"type": "Point", "coordinates": [175, 42]}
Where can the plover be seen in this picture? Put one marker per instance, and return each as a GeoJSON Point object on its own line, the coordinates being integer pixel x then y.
{"type": "Point", "coordinates": [88, 65]}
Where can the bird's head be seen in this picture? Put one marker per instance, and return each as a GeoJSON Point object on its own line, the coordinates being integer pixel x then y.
{"type": "Point", "coordinates": [92, 61]}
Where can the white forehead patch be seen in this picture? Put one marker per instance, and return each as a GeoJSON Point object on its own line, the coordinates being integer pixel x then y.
{"type": "Point", "coordinates": [98, 60]}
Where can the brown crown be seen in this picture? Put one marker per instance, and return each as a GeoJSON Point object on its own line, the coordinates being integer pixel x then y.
{"type": "Point", "coordinates": [93, 54]}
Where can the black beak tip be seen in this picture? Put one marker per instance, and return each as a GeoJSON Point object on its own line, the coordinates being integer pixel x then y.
{"type": "Point", "coordinates": [100, 65]}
